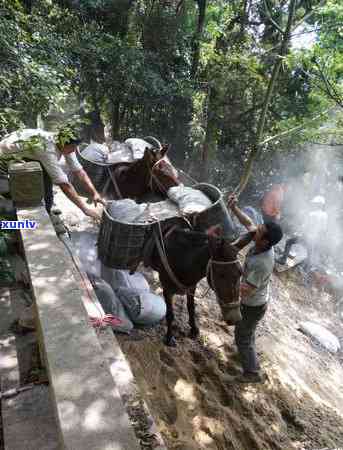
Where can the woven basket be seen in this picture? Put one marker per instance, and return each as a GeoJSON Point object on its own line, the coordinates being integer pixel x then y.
{"type": "Point", "coordinates": [120, 244]}
{"type": "Point", "coordinates": [95, 170]}
{"type": "Point", "coordinates": [217, 214]}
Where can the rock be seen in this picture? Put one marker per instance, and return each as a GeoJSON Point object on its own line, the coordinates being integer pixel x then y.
{"type": "Point", "coordinates": [321, 335]}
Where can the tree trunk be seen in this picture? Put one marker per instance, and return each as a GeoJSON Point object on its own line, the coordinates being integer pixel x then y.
{"type": "Point", "coordinates": [210, 145]}
{"type": "Point", "coordinates": [115, 122]}
{"type": "Point", "coordinates": [197, 37]}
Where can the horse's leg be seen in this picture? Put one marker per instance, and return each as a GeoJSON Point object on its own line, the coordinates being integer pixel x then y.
{"type": "Point", "coordinates": [194, 333]}
{"type": "Point", "coordinates": [169, 338]}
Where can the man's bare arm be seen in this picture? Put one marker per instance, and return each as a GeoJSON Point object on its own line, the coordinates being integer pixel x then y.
{"type": "Point", "coordinates": [243, 218]}
{"type": "Point", "coordinates": [246, 290]}
{"type": "Point", "coordinates": [73, 196]}
{"type": "Point", "coordinates": [89, 186]}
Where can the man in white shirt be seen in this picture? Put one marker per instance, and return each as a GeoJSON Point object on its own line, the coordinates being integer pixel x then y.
{"type": "Point", "coordinates": [47, 148]}
{"type": "Point", "coordinates": [313, 229]}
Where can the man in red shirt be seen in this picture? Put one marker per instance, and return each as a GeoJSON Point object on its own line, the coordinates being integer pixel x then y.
{"type": "Point", "coordinates": [271, 203]}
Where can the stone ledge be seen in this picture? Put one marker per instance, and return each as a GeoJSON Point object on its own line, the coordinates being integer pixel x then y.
{"type": "Point", "coordinates": [89, 410]}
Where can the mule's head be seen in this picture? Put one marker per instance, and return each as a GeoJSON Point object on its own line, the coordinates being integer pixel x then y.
{"type": "Point", "coordinates": [224, 273]}
{"type": "Point", "coordinates": [162, 173]}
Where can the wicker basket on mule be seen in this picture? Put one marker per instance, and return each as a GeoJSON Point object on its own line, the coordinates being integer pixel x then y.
{"type": "Point", "coordinates": [96, 170]}
{"type": "Point", "coordinates": [121, 243]}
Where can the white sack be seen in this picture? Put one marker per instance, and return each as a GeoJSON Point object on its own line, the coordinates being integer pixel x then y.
{"type": "Point", "coordinates": [143, 307]}
{"type": "Point", "coordinates": [127, 211]}
{"type": "Point", "coordinates": [320, 334]}
{"type": "Point", "coordinates": [119, 152]}
{"type": "Point", "coordinates": [138, 147]}
{"type": "Point", "coordinates": [95, 152]}
{"type": "Point", "coordinates": [188, 199]}
{"type": "Point", "coordinates": [111, 304]}
{"type": "Point", "coordinates": [85, 246]}
{"type": "Point", "coordinates": [122, 279]}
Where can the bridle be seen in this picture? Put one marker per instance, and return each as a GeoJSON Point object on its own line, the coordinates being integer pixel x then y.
{"type": "Point", "coordinates": [210, 278]}
{"type": "Point", "coordinates": [159, 240]}
{"type": "Point", "coordinates": [154, 178]}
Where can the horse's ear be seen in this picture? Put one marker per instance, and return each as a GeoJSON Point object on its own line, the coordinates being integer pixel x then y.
{"type": "Point", "coordinates": [164, 150]}
{"type": "Point", "coordinates": [214, 233]}
{"type": "Point", "coordinates": [147, 154]}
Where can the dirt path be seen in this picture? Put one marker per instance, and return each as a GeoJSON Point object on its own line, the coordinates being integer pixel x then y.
{"type": "Point", "coordinates": [189, 391]}
{"type": "Point", "coordinates": [196, 406]}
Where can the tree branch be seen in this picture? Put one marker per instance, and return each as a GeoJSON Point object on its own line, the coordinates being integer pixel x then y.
{"type": "Point", "coordinates": [294, 129]}
{"type": "Point", "coordinates": [255, 151]}
{"type": "Point", "coordinates": [308, 15]}
{"type": "Point", "coordinates": [269, 17]}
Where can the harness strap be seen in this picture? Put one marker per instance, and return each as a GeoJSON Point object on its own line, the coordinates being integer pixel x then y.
{"type": "Point", "coordinates": [166, 265]}
{"type": "Point", "coordinates": [114, 181]}
{"type": "Point", "coordinates": [210, 281]}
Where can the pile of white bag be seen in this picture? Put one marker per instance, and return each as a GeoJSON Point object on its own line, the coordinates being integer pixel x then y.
{"type": "Point", "coordinates": [117, 289]}
{"type": "Point", "coordinates": [182, 201]}
{"type": "Point", "coordinates": [142, 306]}
{"type": "Point", "coordinates": [321, 335]}
{"type": "Point", "coordinates": [111, 304]}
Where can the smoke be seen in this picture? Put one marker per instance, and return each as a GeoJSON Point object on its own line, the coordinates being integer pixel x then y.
{"type": "Point", "coordinates": [315, 170]}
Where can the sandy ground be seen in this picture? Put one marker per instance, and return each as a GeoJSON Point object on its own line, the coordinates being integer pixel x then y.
{"type": "Point", "coordinates": [188, 388]}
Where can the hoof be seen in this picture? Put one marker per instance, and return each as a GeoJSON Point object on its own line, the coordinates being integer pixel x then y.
{"type": "Point", "coordinates": [194, 333]}
{"type": "Point", "coordinates": [170, 341]}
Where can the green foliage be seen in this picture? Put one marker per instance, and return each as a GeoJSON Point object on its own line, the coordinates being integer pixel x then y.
{"type": "Point", "coordinates": [132, 62]}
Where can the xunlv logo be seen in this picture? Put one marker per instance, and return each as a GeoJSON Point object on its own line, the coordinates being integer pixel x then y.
{"type": "Point", "coordinates": [18, 224]}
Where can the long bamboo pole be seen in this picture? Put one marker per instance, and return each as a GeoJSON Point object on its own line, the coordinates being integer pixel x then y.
{"type": "Point", "coordinates": [256, 149]}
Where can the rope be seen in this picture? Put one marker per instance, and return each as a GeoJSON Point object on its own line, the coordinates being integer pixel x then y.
{"type": "Point", "coordinates": [96, 322]}
{"type": "Point", "coordinates": [210, 279]}
{"type": "Point", "coordinates": [154, 178]}
{"type": "Point", "coordinates": [115, 184]}
{"type": "Point", "coordinates": [163, 255]}
{"type": "Point", "coordinates": [106, 320]}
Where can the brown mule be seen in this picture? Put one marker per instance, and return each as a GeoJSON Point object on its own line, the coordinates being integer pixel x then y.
{"type": "Point", "coordinates": [143, 176]}
{"type": "Point", "coordinates": [191, 256]}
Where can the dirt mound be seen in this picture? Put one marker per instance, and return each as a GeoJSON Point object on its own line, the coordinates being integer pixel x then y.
{"type": "Point", "coordinates": [190, 391]}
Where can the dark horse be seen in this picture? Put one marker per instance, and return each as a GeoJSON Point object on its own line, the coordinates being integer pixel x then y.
{"type": "Point", "coordinates": [191, 256]}
{"type": "Point", "coordinates": [134, 180]}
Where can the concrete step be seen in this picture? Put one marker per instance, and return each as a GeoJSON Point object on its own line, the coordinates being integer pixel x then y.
{"type": "Point", "coordinates": [28, 418]}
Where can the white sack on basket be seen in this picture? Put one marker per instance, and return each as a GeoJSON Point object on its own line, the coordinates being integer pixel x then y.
{"type": "Point", "coordinates": [138, 147]}
{"type": "Point", "coordinates": [188, 199]}
{"type": "Point", "coordinates": [127, 211]}
{"type": "Point", "coordinates": [95, 152]}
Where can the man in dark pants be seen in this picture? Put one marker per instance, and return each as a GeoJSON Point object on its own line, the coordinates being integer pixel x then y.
{"type": "Point", "coordinates": [254, 290]}
{"type": "Point", "coordinates": [48, 191]}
